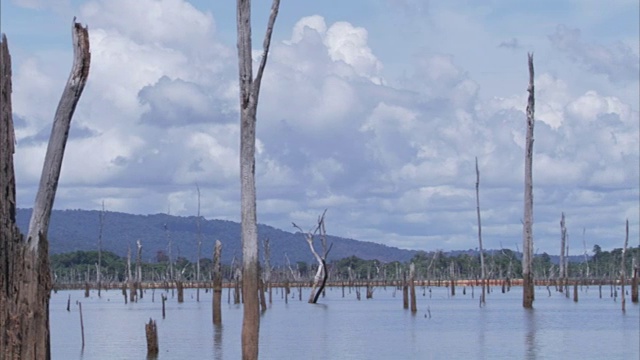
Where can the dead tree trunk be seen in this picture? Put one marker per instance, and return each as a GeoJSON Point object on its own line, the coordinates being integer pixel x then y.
{"type": "Point", "coordinates": [527, 231]}
{"type": "Point", "coordinates": [563, 242]}
{"type": "Point", "coordinates": [25, 281]}
{"type": "Point", "coordinates": [267, 267]}
{"type": "Point", "coordinates": [320, 279]}
{"type": "Point", "coordinates": [130, 280]}
{"type": "Point", "coordinates": [151, 332]}
{"type": "Point", "coordinates": [622, 266]}
{"type": "Point", "coordinates": [634, 282]}
{"type": "Point", "coordinates": [99, 265]}
{"type": "Point", "coordinates": [217, 283]}
{"type": "Point", "coordinates": [249, 92]}
{"type": "Point", "coordinates": [482, 269]}
{"type": "Point", "coordinates": [412, 288]}
{"type": "Point", "coordinates": [199, 240]}
{"type": "Point", "coordinates": [138, 284]}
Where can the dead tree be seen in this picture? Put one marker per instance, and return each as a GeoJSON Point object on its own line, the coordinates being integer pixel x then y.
{"type": "Point", "coordinates": [130, 280]}
{"type": "Point", "coordinates": [563, 242]}
{"type": "Point", "coordinates": [267, 267]}
{"type": "Point", "coordinates": [623, 267]}
{"type": "Point", "coordinates": [249, 93]}
{"type": "Point", "coordinates": [482, 269]}
{"type": "Point", "coordinates": [412, 288]}
{"type": "Point", "coordinates": [99, 265]}
{"type": "Point", "coordinates": [320, 279]}
{"type": "Point", "coordinates": [527, 231]}
{"type": "Point", "coordinates": [199, 240]}
{"type": "Point", "coordinates": [138, 283]}
{"type": "Point", "coordinates": [25, 281]}
{"type": "Point", "coordinates": [217, 283]}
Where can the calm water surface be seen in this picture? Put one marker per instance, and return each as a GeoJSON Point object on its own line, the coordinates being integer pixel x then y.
{"type": "Point", "coordinates": [345, 328]}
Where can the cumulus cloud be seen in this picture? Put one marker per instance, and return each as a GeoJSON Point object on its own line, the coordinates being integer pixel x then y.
{"type": "Point", "coordinates": [616, 61]}
{"type": "Point", "coordinates": [392, 160]}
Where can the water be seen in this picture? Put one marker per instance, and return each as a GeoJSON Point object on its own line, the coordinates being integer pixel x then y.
{"type": "Point", "coordinates": [345, 328]}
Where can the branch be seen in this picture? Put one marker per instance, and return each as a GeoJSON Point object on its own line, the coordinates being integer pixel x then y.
{"type": "Point", "coordinates": [39, 224]}
{"type": "Point", "coordinates": [265, 48]}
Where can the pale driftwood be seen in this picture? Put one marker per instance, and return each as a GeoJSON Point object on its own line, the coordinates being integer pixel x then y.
{"type": "Point", "coordinates": [25, 283]}
{"type": "Point", "coordinates": [482, 268]}
{"type": "Point", "coordinates": [527, 231]}
{"type": "Point", "coordinates": [249, 91]}
{"type": "Point", "coordinates": [563, 242]}
{"type": "Point", "coordinates": [217, 283]}
{"type": "Point", "coordinates": [623, 267]}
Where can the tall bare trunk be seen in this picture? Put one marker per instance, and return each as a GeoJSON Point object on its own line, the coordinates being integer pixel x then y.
{"type": "Point", "coordinates": [199, 235]}
{"type": "Point", "coordinates": [217, 283]}
{"type": "Point", "coordinates": [563, 242]}
{"type": "Point", "coordinates": [482, 269]}
{"type": "Point", "coordinates": [623, 267]}
{"type": "Point", "coordinates": [249, 92]}
{"type": "Point", "coordinates": [25, 281]}
{"type": "Point", "coordinates": [527, 231]}
{"type": "Point", "coordinates": [99, 265]}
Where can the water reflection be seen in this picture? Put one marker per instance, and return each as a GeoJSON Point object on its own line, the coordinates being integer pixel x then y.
{"type": "Point", "coordinates": [531, 344]}
{"type": "Point", "coordinates": [217, 342]}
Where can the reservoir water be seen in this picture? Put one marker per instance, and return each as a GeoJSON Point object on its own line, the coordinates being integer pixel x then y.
{"type": "Point", "coordinates": [340, 327]}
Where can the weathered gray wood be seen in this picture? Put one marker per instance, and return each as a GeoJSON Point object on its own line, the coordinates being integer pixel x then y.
{"type": "Point", "coordinates": [217, 283]}
{"type": "Point", "coordinates": [41, 214]}
{"type": "Point", "coordinates": [623, 266]}
{"type": "Point", "coordinates": [527, 231]}
{"type": "Point", "coordinates": [563, 244]}
{"type": "Point", "coordinates": [249, 91]}
{"type": "Point", "coordinates": [482, 268]}
{"type": "Point", "coordinates": [25, 282]}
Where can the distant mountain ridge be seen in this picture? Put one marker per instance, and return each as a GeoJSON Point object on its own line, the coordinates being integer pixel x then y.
{"type": "Point", "coordinates": [73, 230]}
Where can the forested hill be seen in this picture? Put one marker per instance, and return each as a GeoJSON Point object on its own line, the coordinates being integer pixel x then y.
{"type": "Point", "coordinates": [73, 230]}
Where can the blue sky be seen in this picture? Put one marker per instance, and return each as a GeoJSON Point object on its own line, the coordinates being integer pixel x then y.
{"type": "Point", "coordinates": [373, 109]}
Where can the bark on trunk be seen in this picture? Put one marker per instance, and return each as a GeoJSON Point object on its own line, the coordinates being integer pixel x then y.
{"type": "Point", "coordinates": [412, 288]}
{"type": "Point", "coordinates": [634, 282]}
{"type": "Point", "coordinates": [217, 283]}
{"type": "Point", "coordinates": [527, 232]}
{"type": "Point", "coordinates": [25, 280]}
{"type": "Point", "coordinates": [151, 332]}
{"type": "Point", "coordinates": [249, 92]}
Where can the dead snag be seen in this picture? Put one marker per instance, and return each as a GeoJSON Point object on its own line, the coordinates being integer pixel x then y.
{"type": "Point", "coordinates": [320, 279]}
{"type": "Point", "coordinates": [151, 331]}
{"type": "Point", "coordinates": [622, 265]}
{"type": "Point", "coordinates": [482, 268]}
{"type": "Point", "coordinates": [217, 283]}
{"type": "Point", "coordinates": [138, 283]}
{"type": "Point", "coordinates": [527, 231]}
{"type": "Point", "coordinates": [634, 281]}
{"type": "Point", "coordinates": [405, 290]}
{"type": "Point", "coordinates": [249, 91]}
{"type": "Point", "coordinates": [25, 282]}
{"type": "Point", "coordinates": [562, 264]}
{"type": "Point", "coordinates": [412, 287]}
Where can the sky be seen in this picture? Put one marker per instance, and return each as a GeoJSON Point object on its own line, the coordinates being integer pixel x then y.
{"type": "Point", "coordinates": [372, 109]}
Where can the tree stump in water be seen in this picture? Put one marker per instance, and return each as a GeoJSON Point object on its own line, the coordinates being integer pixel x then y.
{"type": "Point", "coordinates": [180, 289]}
{"type": "Point", "coordinates": [151, 330]}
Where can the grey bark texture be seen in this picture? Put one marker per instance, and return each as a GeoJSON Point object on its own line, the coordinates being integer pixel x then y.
{"type": "Point", "coordinates": [563, 244]}
{"type": "Point", "coordinates": [527, 231]}
{"type": "Point", "coordinates": [25, 280]}
{"type": "Point", "coordinates": [482, 268]}
{"type": "Point", "coordinates": [249, 92]}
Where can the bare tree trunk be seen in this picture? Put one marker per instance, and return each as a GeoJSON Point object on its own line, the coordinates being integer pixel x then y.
{"type": "Point", "coordinates": [267, 267]}
{"type": "Point", "coordinates": [634, 282]}
{"type": "Point", "coordinates": [563, 239]}
{"type": "Point", "coordinates": [217, 283]}
{"type": "Point", "coordinates": [622, 266]}
{"type": "Point", "coordinates": [527, 232]}
{"type": "Point", "coordinates": [99, 265]}
{"type": "Point", "coordinates": [130, 280]}
{"type": "Point", "coordinates": [320, 279]}
{"type": "Point", "coordinates": [199, 247]}
{"type": "Point", "coordinates": [138, 284]}
{"type": "Point", "coordinates": [25, 281]}
{"type": "Point", "coordinates": [482, 269]}
{"type": "Point", "coordinates": [412, 288]}
{"type": "Point", "coordinates": [249, 92]}
{"type": "Point", "coordinates": [151, 332]}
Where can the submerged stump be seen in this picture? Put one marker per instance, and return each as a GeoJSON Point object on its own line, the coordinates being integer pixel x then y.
{"type": "Point", "coordinates": [151, 331]}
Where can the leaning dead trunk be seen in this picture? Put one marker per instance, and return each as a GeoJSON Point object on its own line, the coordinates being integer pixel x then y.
{"type": "Point", "coordinates": [25, 281]}
{"type": "Point", "coordinates": [527, 231]}
{"type": "Point", "coordinates": [249, 91]}
{"type": "Point", "coordinates": [320, 279]}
